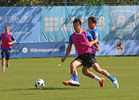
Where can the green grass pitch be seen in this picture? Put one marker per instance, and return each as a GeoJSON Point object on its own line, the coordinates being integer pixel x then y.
{"type": "Point", "coordinates": [17, 82]}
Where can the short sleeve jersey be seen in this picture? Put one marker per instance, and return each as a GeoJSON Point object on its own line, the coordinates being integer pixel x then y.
{"type": "Point", "coordinates": [95, 34]}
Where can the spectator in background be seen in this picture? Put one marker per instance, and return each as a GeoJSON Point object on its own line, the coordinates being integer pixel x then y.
{"type": "Point", "coordinates": [7, 40]}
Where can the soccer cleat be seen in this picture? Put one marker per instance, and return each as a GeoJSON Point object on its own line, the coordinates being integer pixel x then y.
{"type": "Point", "coordinates": [7, 65]}
{"type": "Point", "coordinates": [115, 83]}
{"type": "Point", "coordinates": [66, 82]}
{"type": "Point", "coordinates": [102, 82]}
{"type": "Point", "coordinates": [74, 83]}
{"type": "Point", "coordinates": [3, 70]}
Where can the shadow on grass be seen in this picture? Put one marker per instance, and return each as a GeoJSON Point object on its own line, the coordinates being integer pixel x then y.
{"type": "Point", "coordinates": [46, 88]}
{"type": "Point", "coordinates": [51, 88]}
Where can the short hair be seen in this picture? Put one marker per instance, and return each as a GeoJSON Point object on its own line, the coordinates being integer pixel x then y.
{"type": "Point", "coordinates": [7, 27]}
{"type": "Point", "coordinates": [77, 20]}
{"type": "Point", "coordinates": [93, 19]}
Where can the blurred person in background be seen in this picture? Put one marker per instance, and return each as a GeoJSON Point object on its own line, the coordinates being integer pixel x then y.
{"type": "Point", "coordinates": [7, 40]}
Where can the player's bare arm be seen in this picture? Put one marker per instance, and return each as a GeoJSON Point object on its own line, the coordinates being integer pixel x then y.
{"type": "Point", "coordinates": [67, 53]}
{"type": "Point", "coordinates": [12, 42]}
{"type": "Point", "coordinates": [96, 45]}
{"type": "Point", "coordinates": [98, 49]}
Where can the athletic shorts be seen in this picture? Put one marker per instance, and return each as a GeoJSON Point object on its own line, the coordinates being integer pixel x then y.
{"type": "Point", "coordinates": [86, 59]}
{"type": "Point", "coordinates": [5, 54]}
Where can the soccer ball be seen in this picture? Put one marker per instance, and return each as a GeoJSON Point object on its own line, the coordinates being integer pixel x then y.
{"type": "Point", "coordinates": [39, 83]}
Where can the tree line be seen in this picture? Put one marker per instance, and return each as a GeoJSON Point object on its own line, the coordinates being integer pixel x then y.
{"type": "Point", "coordinates": [67, 2]}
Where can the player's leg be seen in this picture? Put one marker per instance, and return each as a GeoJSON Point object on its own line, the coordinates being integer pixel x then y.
{"type": "Point", "coordinates": [7, 57]}
{"type": "Point", "coordinates": [3, 64]}
{"type": "Point", "coordinates": [97, 68]}
{"type": "Point", "coordinates": [76, 63]}
{"type": "Point", "coordinates": [73, 66]}
{"type": "Point", "coordinates": [3, 60]}
{"type": "Point", "coordinates": [88, 61]}
{"type": "Point", "coordinates": [7, 64]}
{"type": "Point", "coordinates": [73, 72]}
{"type": "Point", "coordinates": [86, 72]}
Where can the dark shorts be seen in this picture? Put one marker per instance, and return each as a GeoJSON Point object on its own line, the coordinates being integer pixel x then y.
{"type": "Point", "coordinates": [5, 54]}
{"type": "Point", "coordinates": [86, 59]}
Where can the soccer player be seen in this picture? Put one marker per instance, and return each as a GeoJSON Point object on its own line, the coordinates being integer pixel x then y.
{"type": "Point", "coordinates": [86, 56]}
{"type": "Point", "coordinates": [7, 40]}
{"type": "Point", "coordinates": [92, 21]}
{"type": "Point", "coordinates": [95, 34]}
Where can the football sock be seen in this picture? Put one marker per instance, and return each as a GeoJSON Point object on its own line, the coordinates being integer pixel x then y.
{"type": "Point", "coordinates": [111, 78]}
{"type": "Point", "coordinates": [71, 77]}
{"type": "Point", "coordinates": [76, 78]}
{"type": "Point", "coordinates": [3, 67]}
{"type": "Point", "coordinates": [97, 78]}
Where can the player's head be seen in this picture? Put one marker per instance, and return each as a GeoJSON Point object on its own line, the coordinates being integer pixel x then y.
{"type": "Point", "coordinates": [92, 22]}
{"type": "Point", "coordinates": [7, 29]}
{"type": "Point", "coordinates": [77, 25]}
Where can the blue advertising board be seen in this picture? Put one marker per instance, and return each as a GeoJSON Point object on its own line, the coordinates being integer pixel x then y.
{"type": "Point", "coordinates": [45, 49]}
{"type": "Point", "coordinates": [58, 49]}
{"type": "Point", "coordinates": [57, 22]}
{"type": "Point", "coordinates": [24, 23]}
{"type": "Point", "coordinates": [124, 22]}
{"type": "Point", "coordinates": [119, 47]}
{"type": "Point", "coordinates": [45, 31]}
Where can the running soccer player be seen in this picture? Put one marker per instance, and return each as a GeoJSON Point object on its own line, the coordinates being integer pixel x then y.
{"type": "Point", "coordinates": [7, 40]}
{"type": "Point", "coordinates": [95, 34]}
{"type": "Point", "coordinates": [92, 21]}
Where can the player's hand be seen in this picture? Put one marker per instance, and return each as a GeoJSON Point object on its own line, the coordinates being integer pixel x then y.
{"type": "Point", "coordinates": [10, 43]}
{"type": "Point", "coordinates": [63, 59]}
{"type": "Point", "coordinates": [90, 44]}
{"type": "Point", "coordinates": [99, 50]}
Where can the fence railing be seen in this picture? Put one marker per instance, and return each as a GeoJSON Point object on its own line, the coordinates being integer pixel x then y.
{"type": "Point", "coordinates": [67, 2]}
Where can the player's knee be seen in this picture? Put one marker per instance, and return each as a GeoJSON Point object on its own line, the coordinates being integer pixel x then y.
{"type": "Point", "coordinates": [72, 65]}
{"type": "Point", "coordinates": [85, 72]}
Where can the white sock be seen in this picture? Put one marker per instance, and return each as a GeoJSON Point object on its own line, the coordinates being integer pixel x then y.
{"type": "Point", "coordinates": [97, 78]}
{"type": "Point", "coordinates": [3, 67]}
{"type": "Point", "coordinates": [71, 77]}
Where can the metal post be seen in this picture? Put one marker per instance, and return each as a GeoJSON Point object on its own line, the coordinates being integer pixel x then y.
{"type": "Point", "coordinates": [65, 2]}
{"type": "Point", "coordinates": [134, 2]}
{"type": "Point", "coordinates": [100, 2]}
{"type": "Point", "coordinates": [29, 2]}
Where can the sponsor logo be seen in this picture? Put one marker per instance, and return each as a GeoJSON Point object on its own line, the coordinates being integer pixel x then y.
{"type": "Point", "coordinates": [44, 50]}
{"type": "Point", "coordinates": [25, 50]}
{"type": "Point", "coordinates": [124, 22]}
{"type": "Point", "coordinates": [119, 47]}
{"type": "Point", "coordinates": [66, 24]}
